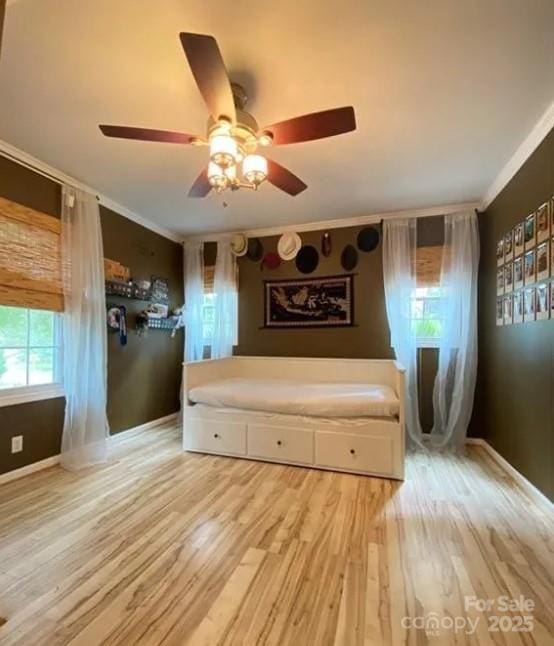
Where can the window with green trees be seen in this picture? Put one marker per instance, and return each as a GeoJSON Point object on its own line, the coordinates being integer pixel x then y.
{"type": "Point", "coordinates": [29, 347]}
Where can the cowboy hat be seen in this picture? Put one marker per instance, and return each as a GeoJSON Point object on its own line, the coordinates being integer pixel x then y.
{"type": "Point", "coordinates": [239, 244]}
{"type": "Point", "coordinates": [307, 259]}
{"type": "Point", "coordinates": [289, 245]}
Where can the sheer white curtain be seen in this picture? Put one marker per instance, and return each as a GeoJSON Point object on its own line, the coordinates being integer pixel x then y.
{"type": "Point", "coordinates": [226, 301]}
{"type": "Point", "coordinates": [455, 381]}
{"type": "Point", "coordinates": [85, 431]}
{"type": "Point", "coordinates": [194, 300]}
{"type": "Point", "coordinates": [399, 249]}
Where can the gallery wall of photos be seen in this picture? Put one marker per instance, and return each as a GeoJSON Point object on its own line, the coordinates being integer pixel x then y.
{"type": "Point", "coordinates": [525, 269]}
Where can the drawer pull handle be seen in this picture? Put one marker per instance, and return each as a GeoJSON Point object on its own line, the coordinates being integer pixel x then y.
{"type": "Point", "coordinates": [279, 443]}
{"type": "Point", "coordinates": [352, 452]}
{"type": "Point", "coordinates": [216, 435]}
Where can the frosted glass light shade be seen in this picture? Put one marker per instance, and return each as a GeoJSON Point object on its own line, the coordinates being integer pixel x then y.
{"type": "Point", "coordinates": [254, 169]}
{"type": "Point", "coordinates": [217, 176]}
{"type": "Point", "coordinates": [223, 150]}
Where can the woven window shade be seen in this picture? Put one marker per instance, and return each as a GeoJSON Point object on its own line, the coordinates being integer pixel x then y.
{"type": "Point", "coordinates": [30, 258]}
{"type": "Point", "coordinates": [428, 265]}
{"type": "Point", "coordinates": [209, 273]}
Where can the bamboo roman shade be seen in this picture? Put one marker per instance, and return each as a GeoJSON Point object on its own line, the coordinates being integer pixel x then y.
{"type": "Point", "coordinates": [428, 265]}
{"type": "Point", "coordinates": [209, 273]}
{"type": "Point", "coordinates": [30, 258]}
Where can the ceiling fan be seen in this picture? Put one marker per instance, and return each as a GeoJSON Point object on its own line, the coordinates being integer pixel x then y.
{"type": "Point", "coordinates": [233, 134]}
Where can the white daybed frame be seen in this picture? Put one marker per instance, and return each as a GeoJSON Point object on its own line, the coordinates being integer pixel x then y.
{"type": "Point", "coordinates": [373, 445]}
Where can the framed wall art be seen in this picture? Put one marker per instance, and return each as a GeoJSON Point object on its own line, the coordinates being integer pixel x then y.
{"type": "Point", "coordinates": [518, 307]}
{"type": "Point", "coordinates": [509, 246]}
{"type": "Point", "coordinates": [542, 302]}
{"type": "Point", "coordinates": [518, 273]}
{"type": "Point", "coordinates": [543, 222]}
{"type": "Point", "coordinates": [310, 302]}
{"type": "Point", "coordinates": [530, 231]}
{"type": "Point", "coordinates": [529, 267]}
{"type": "Point", "coordinates": [508, 310]}
{"type": "Point", "coordinates": [543, 260]}
{"type": "Point", "coordinates": [500, 253]}
{"type": "Point", "coordinates": [529, 304]}
{"type": "Point", "coordinates": [519, 242]}
{"type": "Point", "coordinates": [499, 310]}
{"type": "Point", "coordinates": [499, 281]}
{"type": "Point", "coordinates": [508, 277]}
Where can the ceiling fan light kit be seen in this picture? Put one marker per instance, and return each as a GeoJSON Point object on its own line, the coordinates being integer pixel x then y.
{"type": "Point", "coordinates": [233, 135]}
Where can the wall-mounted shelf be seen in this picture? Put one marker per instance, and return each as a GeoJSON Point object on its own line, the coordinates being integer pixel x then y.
{"type": "Point", "coordinates": [126, 290]}
{"type": "Point", "coordinates": [162, 324]}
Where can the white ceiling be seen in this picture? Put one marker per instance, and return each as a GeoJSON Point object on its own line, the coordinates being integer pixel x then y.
{"type": "Point", "coordinates": [444, 93]}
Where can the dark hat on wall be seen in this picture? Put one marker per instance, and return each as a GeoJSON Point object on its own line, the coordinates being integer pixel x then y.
{"type": "Point", "coordinates": [255, 249]}
{"type": "Point", "coordinates": [349, 258]}
{"type": "Point", "coordinates": [326, 244]}
{"type": "Point", "coordinates": [307, 259]}
{"type": "Point", "coordinates": [271, 260]}
{"type": "Point", "coordinates": [368, 239]}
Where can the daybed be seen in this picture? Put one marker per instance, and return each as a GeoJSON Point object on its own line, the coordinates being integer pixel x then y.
{"type": "Point", "coordinates": [339, 414]}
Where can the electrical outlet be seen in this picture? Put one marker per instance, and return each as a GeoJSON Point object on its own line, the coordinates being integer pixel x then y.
{"type": "Point", "coordinates": [17, 444]}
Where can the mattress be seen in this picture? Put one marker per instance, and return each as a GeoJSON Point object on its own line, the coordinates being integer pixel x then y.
{"type": "Point", "coordinates": [299, 397]}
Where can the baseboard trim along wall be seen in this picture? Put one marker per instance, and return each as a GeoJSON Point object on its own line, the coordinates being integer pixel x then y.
{"type": "Point", "coordinates": [55, 459]}
{"type": "Point", "coordinates": [531, 490]}
{"type": "Point", "coordinates": [535, 494]}
{"type": "Point", "coordinates": [30, 468]}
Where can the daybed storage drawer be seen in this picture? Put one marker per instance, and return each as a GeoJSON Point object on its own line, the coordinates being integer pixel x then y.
{"type": "Point", "coordinates": [288, 444]}
{"type": "Point", "coordinates": [354, 452]}
{"type": "Point", "coordinates": [216, 437]}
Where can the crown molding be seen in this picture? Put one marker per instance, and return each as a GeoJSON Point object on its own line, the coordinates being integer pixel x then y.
{"type": "Point", "coordinates": [528, 146]}
{"type": "Point", "coordinates": [341, 223]}
{"type": "Point", "coordinates": [42, 168]}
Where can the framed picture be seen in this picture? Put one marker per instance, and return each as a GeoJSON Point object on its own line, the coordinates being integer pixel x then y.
{"type": "Point", "coordinates": [543, 222]}
{"type": "Point", "coordinates": [543, 260]}
{"type": "Point", "coordinates": [530, 232]}
{"type": "Point", "coordinates": [529, 304]}
{"type": "Point", "coordinates": [518, 307]}
{"type": "Point", "coordinates": [309, 302]}
{"type": "Point", "coordinates": [500, 253]}
{"type": "Point", "coordinates": [499, 310]}
{"type": "Point", "coordinates": [508, 310]}
{"type": "Point", "coordinates": [519, 241]}
{"type": "Point", "coordinates": [500, 281]}
{"type": "Point", "coordinates": [529, 267]}
{"type": "Point", "coordinates": [508, 277]}
{"type": "Point", "coordinates": [542, 301]}
{"type": "Point", "coordinates": [509, 246]}
{"type": "Point", "coordinates": [518, 273]}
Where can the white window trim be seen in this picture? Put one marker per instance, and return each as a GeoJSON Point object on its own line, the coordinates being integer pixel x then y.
{"type": "Point", "coordinates": [39, 392]}
{"type": "Point", "coordinates": [428, 342]}
{"type": "Point", "coordinates": [24, 394]}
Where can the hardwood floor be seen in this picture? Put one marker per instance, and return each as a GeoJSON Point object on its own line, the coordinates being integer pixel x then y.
{"type": "Point", "coordinates": [162, 547]}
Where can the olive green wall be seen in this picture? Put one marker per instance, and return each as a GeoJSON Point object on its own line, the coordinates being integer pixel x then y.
{"type": "Point", "coordinates": [144, 376]}
{"type": "Point", "coordinates": [515, 388]}
{"type": "Point", "coordinates": [368, 338]}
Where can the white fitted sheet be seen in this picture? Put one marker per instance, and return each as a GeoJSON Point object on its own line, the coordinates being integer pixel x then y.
{"type": "Point", "coordinates": [299, 397]}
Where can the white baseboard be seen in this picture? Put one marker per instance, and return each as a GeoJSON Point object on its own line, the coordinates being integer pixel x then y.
{"type": "Point", "coordinates": [535, 494]}
{"type": "Point", "coordinates": [55, 459]}
{"type": "Point", "coordinates": [124, 435]}
{"type": "Point", "coordinates": [30, 468]}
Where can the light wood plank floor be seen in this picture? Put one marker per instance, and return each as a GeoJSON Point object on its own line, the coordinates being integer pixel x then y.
{"type": "Point", "coordinates": [161, 547]}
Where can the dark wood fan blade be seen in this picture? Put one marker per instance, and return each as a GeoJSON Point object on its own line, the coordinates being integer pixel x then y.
{"type": "Point", "coordinates": [313, 126]}
{"type": "Point", "coordinates": [201, 186]}
{"type": "Point", "coordinates": [208, 69]}
{"type": "Point", "coordinates": [147, 134]}
{"type": "Point", "coordinates": [282, 178]}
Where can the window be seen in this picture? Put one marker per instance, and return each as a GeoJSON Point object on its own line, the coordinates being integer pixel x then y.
{"type": "Point", "coordinates": [426, 315]}
{"type": "Point", "coordinates": [30, 354]}
{"type": "Point", "coordinates": [208, 318]}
